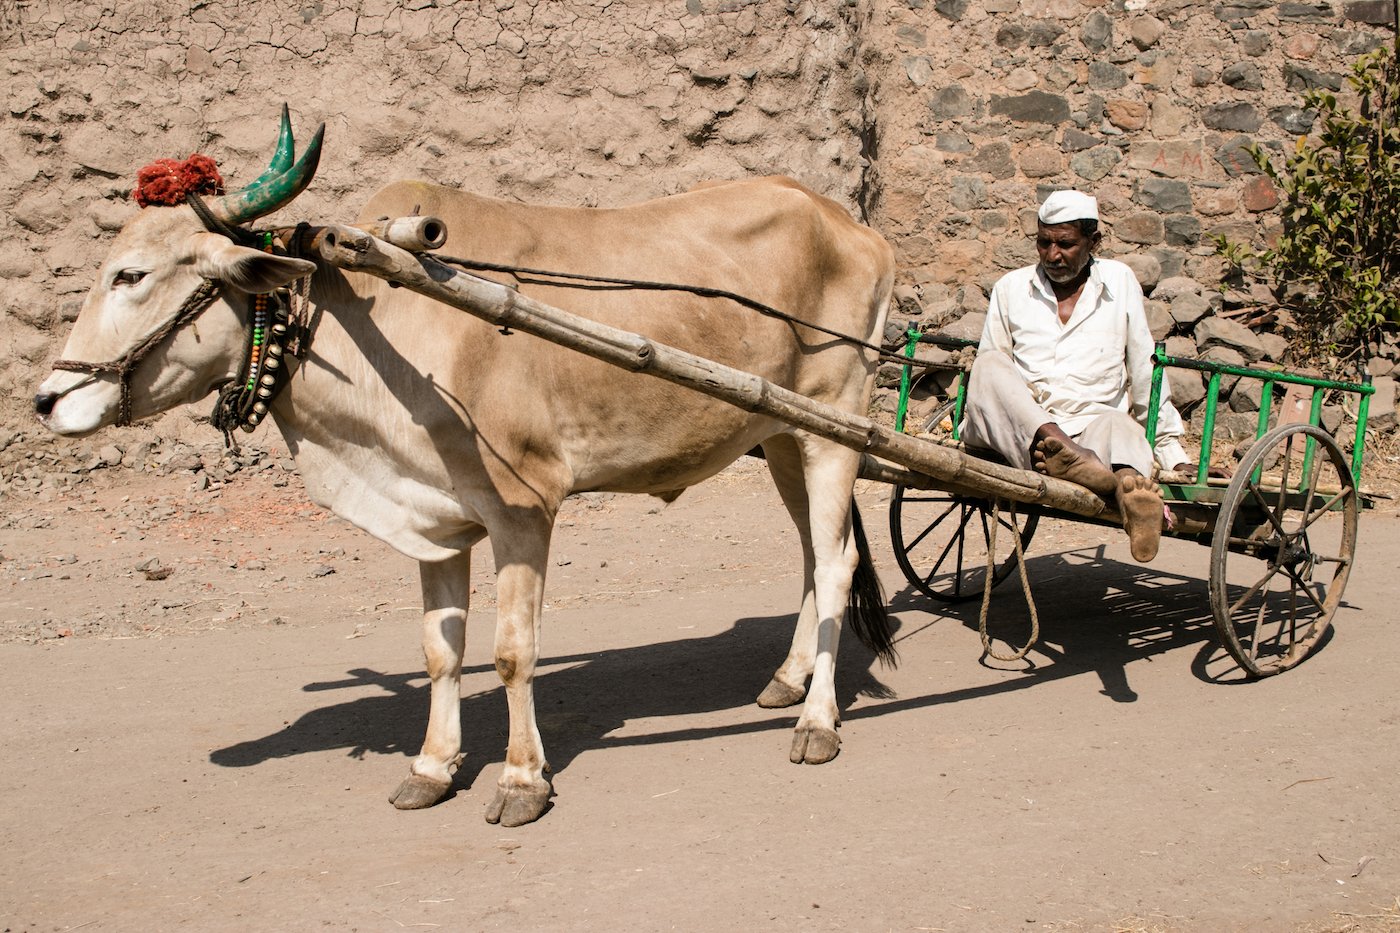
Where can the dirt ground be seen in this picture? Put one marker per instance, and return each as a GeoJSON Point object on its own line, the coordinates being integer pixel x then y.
{"type": "Point", "coordinates": [210, 692]}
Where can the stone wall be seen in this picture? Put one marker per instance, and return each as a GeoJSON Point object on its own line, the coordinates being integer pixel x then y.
{"type": "Point", "coordinates": [1145, 104]}
{"type": "Point", "coordinates": [984, 108]}
{"type": "Point", "coordinates": [940, 122]}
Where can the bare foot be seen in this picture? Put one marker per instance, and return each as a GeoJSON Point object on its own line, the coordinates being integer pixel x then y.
{"type": "Point", "coordinates": [1140, 504]}
{"type": "Point", "coordinates": [1064, 459]}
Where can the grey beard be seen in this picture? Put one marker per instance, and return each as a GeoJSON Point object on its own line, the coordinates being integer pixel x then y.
{"type": "Point", "coordinates": [1064, 275]}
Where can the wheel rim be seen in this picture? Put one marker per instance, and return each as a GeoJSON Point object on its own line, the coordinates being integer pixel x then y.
{"type": "Point", "coordinates": [940, 542]}
{"type": "Point", "coordinates": [1283, 550]}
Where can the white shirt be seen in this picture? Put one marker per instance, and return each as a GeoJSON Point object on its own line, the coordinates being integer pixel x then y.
{"type": "Point", "coordinates": [1097, 361]}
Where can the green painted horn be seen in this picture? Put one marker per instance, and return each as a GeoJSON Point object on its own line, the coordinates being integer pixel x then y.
{"type": "Point", "coordinates": [282, 158]}
{"type": "Point", "coordinates": [275, 187]}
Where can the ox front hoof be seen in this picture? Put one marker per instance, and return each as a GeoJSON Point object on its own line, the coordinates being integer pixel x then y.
{"type": "Point", "coordinates": [814, 746]}
{"type": "Point", "coordinates": [778, 695]}
{"type": "Point", "coordinates": [517, 806]}
{"type": "Point", "coordinates": [417, 792]}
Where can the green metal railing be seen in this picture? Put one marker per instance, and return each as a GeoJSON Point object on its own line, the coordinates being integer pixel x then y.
{"type": "Point", "coordinates": [913, 337]}
{"type": "Point", "coordinates": [1269, 379]}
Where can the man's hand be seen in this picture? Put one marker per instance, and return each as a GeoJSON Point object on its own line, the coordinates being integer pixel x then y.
{"type": "Point", "coordinates": [1213, 472]}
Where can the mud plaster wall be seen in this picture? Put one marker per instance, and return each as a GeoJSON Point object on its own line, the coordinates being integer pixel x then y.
{"type": "Point", "coordinates": [940, 123]}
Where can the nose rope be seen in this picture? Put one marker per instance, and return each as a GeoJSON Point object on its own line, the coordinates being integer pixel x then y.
{"type": "Point", "coordinates": [122, 367]}
{"type": "Point", "coordinates": [75, 386]}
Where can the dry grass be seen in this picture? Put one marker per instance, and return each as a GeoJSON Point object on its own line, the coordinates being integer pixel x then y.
{"type": "Point", "coordinates": [1156, 923]}
{"type": "Point", "coordinates": [1381, 919]}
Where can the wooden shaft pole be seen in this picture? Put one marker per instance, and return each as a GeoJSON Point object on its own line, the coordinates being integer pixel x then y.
{"type": "Point", "coordinates": [351, 248]}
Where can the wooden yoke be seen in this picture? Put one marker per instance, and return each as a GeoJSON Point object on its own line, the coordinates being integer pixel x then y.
{"type": "Point", "coordinates": [414, 234]}
{"type": "Point", "coordinates": [932, 465]}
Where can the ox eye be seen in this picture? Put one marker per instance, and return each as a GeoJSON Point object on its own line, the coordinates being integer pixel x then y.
{"type": "Point", "coordinates": [128, 277]}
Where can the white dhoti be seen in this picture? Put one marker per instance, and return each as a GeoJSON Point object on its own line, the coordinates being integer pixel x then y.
{"type": "Point", "coordinates": [1001, 414]}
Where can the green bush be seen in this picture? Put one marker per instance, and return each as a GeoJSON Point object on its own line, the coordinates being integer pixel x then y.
{"type": "Point", "coordinates": [1333, 268]}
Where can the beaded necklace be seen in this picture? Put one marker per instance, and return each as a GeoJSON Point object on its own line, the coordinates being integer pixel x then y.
{"type": "Point", "coordinates": [243, 403]}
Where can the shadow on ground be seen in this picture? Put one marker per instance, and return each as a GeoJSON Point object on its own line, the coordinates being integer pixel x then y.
{"type": "Point", "coordinates": [1097, 616]}
{"type": "Point", "coordinates": [580, 700]}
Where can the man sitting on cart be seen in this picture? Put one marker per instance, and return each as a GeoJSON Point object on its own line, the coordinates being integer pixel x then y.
{"type": "Point", "coordinates": [1063, 374]}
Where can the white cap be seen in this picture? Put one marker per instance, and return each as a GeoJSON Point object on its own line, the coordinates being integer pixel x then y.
{"type": "Point", "coordinates": [1062, 207]}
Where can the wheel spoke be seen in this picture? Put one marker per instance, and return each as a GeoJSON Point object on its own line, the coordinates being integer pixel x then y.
{"type": "Point", "coordinates": [1292, 620]}
{"type": "Point", "coordinates": [1310, 519]}
{"type": "Point", "coordinates": [937, 497]}
{"type": "Point", "coordinates": [1306, 587]}
{"type": "Point", "coordinates": [1253, 590]}
{"type": "Point", "coordinates": [1286, 635]}
{"type": "Point", "coordinates": [1258, 621]}
{"type": "Point", "coordinates": [1306, 489]}
{"type": "Point", "coordinates": [1288, 627]}
{"type": "Point", "coordinates": [931, 525]}
{"type": "Point", "coordinates": [1256, 493]}
{"type": "Point", "coordinates": [962, 550]}
{"type": "Point", "coordinates": [1288, 450]}
{"type": "Point", "coordinates": [1293, 635]}
{"type": "Point", "coordinates": [955, 541]}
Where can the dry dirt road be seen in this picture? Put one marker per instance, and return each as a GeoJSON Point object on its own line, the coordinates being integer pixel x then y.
{"type": "Point", "coordinates": [212, 749]}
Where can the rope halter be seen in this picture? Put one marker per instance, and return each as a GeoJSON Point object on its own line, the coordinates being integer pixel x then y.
{"type": "Point", "coordinates": [203, 296]}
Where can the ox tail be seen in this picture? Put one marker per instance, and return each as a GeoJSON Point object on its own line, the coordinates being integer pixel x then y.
{"type": "Point", "coordinates": [869, 618]}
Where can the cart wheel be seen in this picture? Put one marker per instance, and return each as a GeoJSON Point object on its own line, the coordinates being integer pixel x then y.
{"type": "Point", "coordinates": [940, 541]}
{"type": "Point", "coordinates": [941, 414]}
{"type": "Point", "coordinates": [1282, 550]}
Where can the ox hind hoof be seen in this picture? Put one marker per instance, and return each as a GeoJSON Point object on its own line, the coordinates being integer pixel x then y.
{"type": "Point", "coordinates": [417, 792]}
{"type": "Point", "coordinates": [516, 806]}
{"type": "Point", "coordinates": [778, 695]}
{"type": "Point", "coordinates": [814, 746]}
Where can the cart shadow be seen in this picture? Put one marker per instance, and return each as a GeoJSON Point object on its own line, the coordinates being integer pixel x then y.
{"type": "Point", "coordinates": [1097, 615]}
{"type": "Point", "coordinates": [581, 701]}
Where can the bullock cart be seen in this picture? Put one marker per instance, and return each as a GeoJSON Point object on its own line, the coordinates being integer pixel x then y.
{"type": "Point", "coordinates": [1281, 531]}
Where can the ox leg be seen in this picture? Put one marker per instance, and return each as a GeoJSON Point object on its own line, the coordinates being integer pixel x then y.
{"type": "Point", "coordinates": [523, 791]}
{"type": "Point", "coordinates": [822, 497]}
{"type": "Point", "coordinates": [446, 590]}
{"type": "Point", "coordinates": [789, 683]}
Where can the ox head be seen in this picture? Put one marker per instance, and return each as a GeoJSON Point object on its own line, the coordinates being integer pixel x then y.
{"type": "Point", "coordinates": [166, 321]}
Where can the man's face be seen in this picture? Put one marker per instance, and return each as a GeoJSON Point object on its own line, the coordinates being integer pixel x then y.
{"type": "Point", "coordinates": [1064, 250]}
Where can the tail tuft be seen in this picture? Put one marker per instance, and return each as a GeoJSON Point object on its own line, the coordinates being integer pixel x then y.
{"type": "Point", "coordinates": [869, 618]}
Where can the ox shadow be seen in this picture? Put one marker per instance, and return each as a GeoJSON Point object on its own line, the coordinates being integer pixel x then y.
{"type": "Point", "coordinates": [581, 700]}
{"type": "Point", "coordinates": [1097, 617]}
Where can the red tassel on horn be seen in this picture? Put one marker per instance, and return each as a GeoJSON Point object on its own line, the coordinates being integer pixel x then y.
{"type": "Point", "coordinates": [168, 181]}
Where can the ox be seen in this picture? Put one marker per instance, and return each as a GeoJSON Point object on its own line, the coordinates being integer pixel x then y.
{"type": "Point", "coordinates": [432, 430]}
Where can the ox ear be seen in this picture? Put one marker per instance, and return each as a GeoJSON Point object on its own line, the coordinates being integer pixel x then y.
{"type": "Point", "coordinates": [249, 270]}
